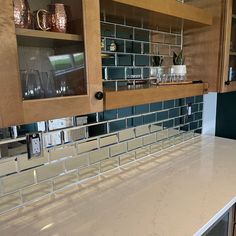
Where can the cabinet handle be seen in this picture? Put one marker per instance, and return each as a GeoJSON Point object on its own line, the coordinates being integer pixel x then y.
{"type": "Point", "coordinates": [99, 95]}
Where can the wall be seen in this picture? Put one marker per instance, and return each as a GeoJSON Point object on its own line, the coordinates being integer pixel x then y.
{"type": "Point", "coordinates": [226, 115]}
{"type": "Point", "coordinates": [111, 138]}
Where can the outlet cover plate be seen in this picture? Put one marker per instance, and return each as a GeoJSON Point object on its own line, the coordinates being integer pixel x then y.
{"type": "Point", "coordinates": [34, 144]}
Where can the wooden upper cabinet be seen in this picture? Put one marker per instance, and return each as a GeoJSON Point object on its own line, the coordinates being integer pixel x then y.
{"type": "Point", "coordinates": [48, 74]}
{"type": "Point", "coordinates": [159, 13]}
{"type": "Point", "coordinates": [210, 51]}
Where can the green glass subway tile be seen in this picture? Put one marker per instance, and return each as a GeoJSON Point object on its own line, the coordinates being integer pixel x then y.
{"type": "Point", "coordinates": [162, 115]}
{"type": "Point", "coordinates": [142, 60]}
{"type": "Point", "coordinates": [146, 48]}
{"type": "Point", "coordinates": [198, 131]}
{"type": "Point", "coordinates": [198, 99]}
{"type": "Point", "coordinates": [133, 71]}
{"type": "Point", "coordinates": [189, 119]}
{"type": "Point", "coordinates": [182, 101]}
{"type": "Point", "coordinates": [108, 62]}
{"type": "Point", "coordinates": [133, 47]}
{"type": "Point", "coordinates": [198, 116]}
{"type": "Point", "coordinates": [107, 30]}
{"type": "Point", "coordinates": [109, 115]}
{"type": "Point", "coordinates": [96, 130]}
{"type": "Point", "coordinates": [98, 155]}
{"type": "Point", "coordinates": [149, 139]}
{"type": "Point", "coordinates": [124, 60]}
{"type": "Point", "coordinates": [169, 104]}
{"type": "Point", "coordinates": [193, 125]}
{"type": "Point", "coordinates": [177, 102]}
{"type": "Point", "coordinates": [156, 127]}
{"type": "Point", "coordinates": [142, 130]}
{"type": "Point", "coordinates": [190, 100]}
{"type": "Point", "coordinates": [116, 73]}
{"type": "Point", "coordinates": [184, 128]}
{"type": "Point", "coordinates": [184, 110]}
{"type": "Point", "coordinates": [146, 72]}
{"type": "Point", "coordinates": [117, 125]}
{"type": "Point", "coordinates": [134, 144]}
{"type": "Point", "coordinates": [149, 118]}
{"type": "Point", "coordinates": [108, 140]}
{"type": "Point", "coordinates": [168, 124]}
{"type": "Point", "coordinates": [177, 121]}
{"type": "Point", "coordinates": [194, 107]}
{"type": "Point", "coordinates": [174, 112]}
{"type": "Point", "coordinates": [156, 106]}
{"type": "Point", "coordinates": [124, 112]}
{"type": "Point", "coordinates": [142, 35]}
{"type": "Point", "coordinates": [141, 109]}
{"type": "Point", "coordinates": [118, 149]}
{"type": "Point", "coordinates": [76, 162]}
{"type": "Point", "coordinates": [200, 124]}
{"type": "Point", "coordinates": [124, 32]}
{"type": "Point", "coordinates": [126, 135]}
{"type": "Point", "coordinates": [200, 107]}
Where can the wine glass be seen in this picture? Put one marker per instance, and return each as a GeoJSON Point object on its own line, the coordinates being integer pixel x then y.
{"type": "Point", "coordinates": [31, 84]}
{"type": "Point", "coordinates": [48, 84]}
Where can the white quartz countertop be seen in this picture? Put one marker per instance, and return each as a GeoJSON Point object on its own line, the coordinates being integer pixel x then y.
{"type": "Point", "coordinates": [178, 192]}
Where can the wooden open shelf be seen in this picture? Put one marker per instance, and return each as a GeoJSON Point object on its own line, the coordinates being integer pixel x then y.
{"type": "Point", "coordinates": [40, 38]}
{"type": "Point", "coordinates": [159, 13]}
{"type": "Point", "coordinates": [126, 98]}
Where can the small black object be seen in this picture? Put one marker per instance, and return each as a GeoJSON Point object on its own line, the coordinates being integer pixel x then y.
{"type": "Point", "coordinates": [227, 82]}
{"type": "Point", "coordinates": [99, 95]}
{"type": "Point", "coordinates": [197, 82]}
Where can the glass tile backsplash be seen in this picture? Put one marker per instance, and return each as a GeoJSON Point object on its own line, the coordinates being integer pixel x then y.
{"type": "Point", "coordinates": [102, 141]}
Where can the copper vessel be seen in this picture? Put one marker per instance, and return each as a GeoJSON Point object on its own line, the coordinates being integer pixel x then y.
{"type": "Point", "coordinates": [22, 15]}
{"type": "Point", "coordinates": [59, 17]}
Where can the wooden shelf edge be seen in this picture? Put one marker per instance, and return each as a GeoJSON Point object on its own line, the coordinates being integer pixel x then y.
{"type": "Point", "coordinates": [127, 98]}
{"type": "Point", "coordinates": [48, 35]}
{"type": "Point", "coordinates": [174, 9]}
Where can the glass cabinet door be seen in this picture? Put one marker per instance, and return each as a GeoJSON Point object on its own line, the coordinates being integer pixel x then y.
{"type": "Point", "coordinates": [50, 48]}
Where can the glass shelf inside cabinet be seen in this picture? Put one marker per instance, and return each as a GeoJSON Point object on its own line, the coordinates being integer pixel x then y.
{"type": "Point", "coordinates": [51, 48]}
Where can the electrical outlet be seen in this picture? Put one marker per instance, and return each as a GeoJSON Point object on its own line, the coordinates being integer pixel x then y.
{"type": "Point", "coordinates": [34, 144]}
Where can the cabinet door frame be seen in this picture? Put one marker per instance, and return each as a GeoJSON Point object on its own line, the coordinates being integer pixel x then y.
{"type": "Point", "coordinates": [226, 38]}
{"type": "Point", "coordinates": [13, 110]}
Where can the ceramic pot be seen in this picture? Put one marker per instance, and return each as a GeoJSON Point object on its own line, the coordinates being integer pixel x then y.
{"type": "Point", "coordinates": [179, 69]}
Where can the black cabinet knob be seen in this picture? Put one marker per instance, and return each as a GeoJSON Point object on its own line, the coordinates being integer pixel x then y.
{"type": "Point", "coordinates": [227, 82]}
{"type": "Point", "coordinates": [99, 95]}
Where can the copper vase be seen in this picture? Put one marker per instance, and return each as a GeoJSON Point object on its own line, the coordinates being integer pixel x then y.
{"type": "Point", "coordinates": [22, 15]}
{"type": "Point", "coordinates": [59, 17]}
